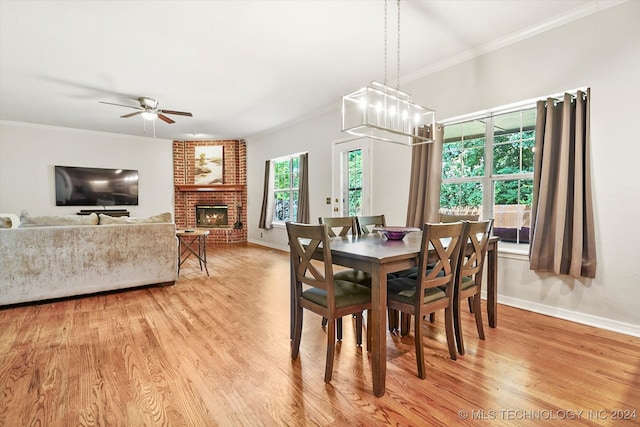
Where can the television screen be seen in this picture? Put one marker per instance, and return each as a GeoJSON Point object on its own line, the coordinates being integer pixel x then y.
{"type": "Point", "coordinates": [95, 187]}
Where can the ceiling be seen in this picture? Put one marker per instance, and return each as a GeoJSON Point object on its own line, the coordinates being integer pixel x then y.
{"type": "Point", "coordinates": [241, 67]}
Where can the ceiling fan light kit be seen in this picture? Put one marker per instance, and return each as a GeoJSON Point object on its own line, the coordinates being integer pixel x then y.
{"type": "Point", "coordinates": [148, 115]}
{"type": "Point", "coordinates": [381, 112]}
{"type": "Point", "coordinates": [149, 111]}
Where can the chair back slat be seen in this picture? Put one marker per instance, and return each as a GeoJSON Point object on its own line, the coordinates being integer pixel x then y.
{"type": "Point", "coordinates": [366, 223]}
{"type": "Point", "coordinates": [476, 241]}
{"type": "Point", "coordinates": [340, 225]}
{"type": "Point", "coordinates": [304, 241]}
{"type": "Point", "coordinates": [444, 240]}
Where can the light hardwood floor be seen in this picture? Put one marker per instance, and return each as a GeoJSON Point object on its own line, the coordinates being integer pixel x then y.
{"type": "Point", "coordinates": [215, 351]}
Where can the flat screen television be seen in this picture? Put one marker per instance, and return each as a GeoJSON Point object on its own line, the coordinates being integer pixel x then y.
{"type": "Point", "coordinates": [76, 186]}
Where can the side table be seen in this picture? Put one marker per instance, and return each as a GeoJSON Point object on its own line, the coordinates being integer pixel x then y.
{"type": "Point", "coordinates": [192, 242]}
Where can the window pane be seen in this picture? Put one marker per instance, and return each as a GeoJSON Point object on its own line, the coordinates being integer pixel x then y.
{"type": "Point", "coordinates": [473, 161]}
{"type": "Point", "coordinates": [295, 172]}
{"type": "Point", "coordinates": [451, 160]}
{"type": "Point", "coordinates": [281, 206]}
{"type": "Point", "coordinates": [461, 197]}
{"type": "Point", "coordinates": [512, 210]}
{"type": "Point", "coordinates": [514, 138]}
{"type": "Point", "coordinates": [282, 178]}
{"type": "Point", "coordinates": [355, 168]}
{"type": "Point", "coordinates": [527, 151]}
{"type": "Point", "coordinates": [294, 209]}
{"type": "Point", "coordinates": [354, 192]}
{"type": "Point", "coordinates": [463, 150]}
{"type": "Point", "coordinates": [474, 129]}
{"type": "Point", "coordinates": [506, 158]}
{"type": "Point", "coordinates": [355, 202]}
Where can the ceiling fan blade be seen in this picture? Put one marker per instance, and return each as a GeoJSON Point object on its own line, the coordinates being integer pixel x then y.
{"type": "Point", "coordinates": [131, 114]}
{"type": "Point", "coordinates": [120, 105]}
{"type": "Point", "coordinates": [179, 113]}
{"type": "Point", "coordinates": [165, 118]}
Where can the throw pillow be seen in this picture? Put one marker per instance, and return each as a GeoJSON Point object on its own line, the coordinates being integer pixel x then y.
{"type": "Point", "coordinates": [40, 221]}
{"type": "Point", "coordinates": [106, 219]}
{"type": "Point", "coordinates": [14, 220]}
{"type": "Point", "coordinates": [5, 222]}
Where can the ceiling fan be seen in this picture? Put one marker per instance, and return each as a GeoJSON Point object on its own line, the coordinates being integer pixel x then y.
{"type": "Point", "coordinates": [149, 110]}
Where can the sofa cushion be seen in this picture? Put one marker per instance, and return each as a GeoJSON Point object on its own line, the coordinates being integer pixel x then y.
{"type": "Point", "coordinates": [106, 219]}
{"type": "Point", "coordinates": [27, 220]}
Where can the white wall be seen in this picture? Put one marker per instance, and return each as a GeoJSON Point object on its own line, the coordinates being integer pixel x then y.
{"type": "Point", "coordinates": [601, 51]}
{"type": "Point", "coordinates": [28, 154]}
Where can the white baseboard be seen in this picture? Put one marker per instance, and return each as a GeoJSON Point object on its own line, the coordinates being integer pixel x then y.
{"type": "Point", "coordinates": [269, 245]}
{"type": "Point", "coordinates": [573, 316]}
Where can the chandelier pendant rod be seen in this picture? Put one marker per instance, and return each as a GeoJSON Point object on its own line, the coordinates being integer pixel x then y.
{"type": "Point", "coordinates": [398, 54]}
{"type": "Point", "coordinates": [385, 43]}
{"type": "Point", "coordinates": [381, 112]}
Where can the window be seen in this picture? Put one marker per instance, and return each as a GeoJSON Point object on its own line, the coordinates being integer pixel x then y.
{"type": "Point", "coordinates": [285, 188]}
{"type": "Point", "coordinates": [487, 168]}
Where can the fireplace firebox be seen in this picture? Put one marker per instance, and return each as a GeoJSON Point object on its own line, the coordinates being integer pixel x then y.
{"type": "Point", "coordinates": [212, 216]}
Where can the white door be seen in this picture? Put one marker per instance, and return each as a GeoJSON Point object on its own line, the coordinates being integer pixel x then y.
{"type": "Point", "coordinates": [351, 177]}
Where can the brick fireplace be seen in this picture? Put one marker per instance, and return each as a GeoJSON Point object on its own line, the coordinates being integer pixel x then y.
{"type": "Point", "coordinates": [231, 193]}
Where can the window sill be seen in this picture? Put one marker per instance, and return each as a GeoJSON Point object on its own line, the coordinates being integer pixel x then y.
{"type": "Point", "coordinates": [513, 250]}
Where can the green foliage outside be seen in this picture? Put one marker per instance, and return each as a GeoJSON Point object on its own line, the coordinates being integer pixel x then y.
{"type": "Point", "coordinates": [464, 160]}
{"type": "Point", "coordinates": [286, 174]}
{"type": "Point", "coordinates": [355, 182]}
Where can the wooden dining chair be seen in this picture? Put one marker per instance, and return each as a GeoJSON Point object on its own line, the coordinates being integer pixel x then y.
{"type": "Point", "coordinates": [322, 294]}
{"type": "Point", "coordinates": [345, 226]}
{"type": "Point", "coordinates": [455, 218]}
{"type": "Point", "coordinates": [475, 241]}
{"type": "Point", "coordinates": [366, 223]}
{"type": "Point", "coordinates": [432, 289]}
{"type": "Point", "coordinates": [340, 225]}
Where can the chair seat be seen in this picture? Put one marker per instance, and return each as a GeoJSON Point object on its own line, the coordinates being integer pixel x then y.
{"type": "Point", "coordinates": [355, 276]}
{"type": "Point", "coordinates": [404, 290]}
{"type": "Point", "coordinates": [467, 282]}
{"type": "Point", "coordinates": [347, 293]}
{"type": "Point", "coordinates": [410, 273]}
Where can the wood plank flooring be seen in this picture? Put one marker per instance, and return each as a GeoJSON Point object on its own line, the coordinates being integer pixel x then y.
{"type": "Point", "coordinates": [215, 351]}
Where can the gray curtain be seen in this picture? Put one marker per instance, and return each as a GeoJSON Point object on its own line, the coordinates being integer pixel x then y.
{"type": "Point", "coordinates": [266, 212]}
{"type": "Point", "coordinates": [562, 224]}
{"type": "Point", "coordinates": [424, 186]}
{"type": "Point", "coordinates": [303, 190]}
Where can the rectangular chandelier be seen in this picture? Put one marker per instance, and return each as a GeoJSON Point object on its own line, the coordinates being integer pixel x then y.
{"type": "Point", "coordinates": [381, 112]}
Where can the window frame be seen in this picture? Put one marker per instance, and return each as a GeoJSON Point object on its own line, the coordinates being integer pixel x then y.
{"type": "Point", "coordinates": [291, 188]}
{"type": "Point", "coordinates": [489, 178]}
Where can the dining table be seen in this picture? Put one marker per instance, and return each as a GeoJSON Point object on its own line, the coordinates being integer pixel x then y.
{"type": "Point", "coordinates": [377, 255]}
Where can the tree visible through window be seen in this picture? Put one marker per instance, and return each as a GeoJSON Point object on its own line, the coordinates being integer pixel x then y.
{"type": "Point", "coordinates": [487, 169]}
{"type": "Point", "coordinates": [354, 176]}
{"type": "Point", "coordinates": [286, 184]}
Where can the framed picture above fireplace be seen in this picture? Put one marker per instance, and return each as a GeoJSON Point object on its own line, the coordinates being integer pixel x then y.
{"type": "Point", "coordinates": [209, 164]}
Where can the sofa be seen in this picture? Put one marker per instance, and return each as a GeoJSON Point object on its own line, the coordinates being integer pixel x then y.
{"type": "Point", "coordinates": [77, 255]}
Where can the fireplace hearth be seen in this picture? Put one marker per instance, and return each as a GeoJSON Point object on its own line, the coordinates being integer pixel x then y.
{"type": "Point", "coordinates": [212, 216]}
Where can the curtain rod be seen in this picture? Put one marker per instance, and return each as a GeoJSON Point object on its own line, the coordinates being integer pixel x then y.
{"type": "Point", "coordinates": [509, 108]}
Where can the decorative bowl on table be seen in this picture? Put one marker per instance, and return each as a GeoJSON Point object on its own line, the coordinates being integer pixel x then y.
{"type": "Point", "coordinates": [395, 233]}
